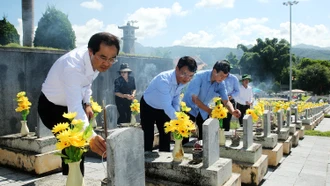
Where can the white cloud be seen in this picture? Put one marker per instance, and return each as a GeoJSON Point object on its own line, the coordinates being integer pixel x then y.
{"type": "Point", "coordinates": [246, 31]}
{"type": "Point", "coordinates": [84, 32]}
{"type": "Point", "coordinates": [216, 3]}
{"type": "Point", "coordinates": [200, 39]}
{"type": "Point", "coordinates": [92, 5]}
{"type": "Point", "coordinates": [153, 21]}
{"type": "Point", "coordinates": [177, 9]}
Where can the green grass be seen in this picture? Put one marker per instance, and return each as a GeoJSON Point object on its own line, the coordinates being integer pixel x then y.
{"type": "Point", "coordinates": [16, 45]}
{"type": "Point", "coordinates": [317, 133]}
{"type": "Point", "coordinates": [327, 115]}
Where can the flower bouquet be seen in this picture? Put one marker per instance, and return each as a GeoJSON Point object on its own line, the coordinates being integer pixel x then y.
{"type": "Point", "coordinates": [135, 108]}
{"type": "Point", "coordinates": [180, 127]}
{"type": "Point", "coordinates": [73, 139]}
{"type": "Point", "coordinates": [219, 112]}
{"type": "Point", "coordinates": [23, 106]}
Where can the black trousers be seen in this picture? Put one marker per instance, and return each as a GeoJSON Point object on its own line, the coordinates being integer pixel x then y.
{"type": "Point", "coordinates": [124, 110]}
{"type": "Point", "coordinates": [50, 115]}
{"type": "Point", "coordinates": [226, 121]}
{"type": "Point", "coordinates": [150, 116]}
{"type": "Point", "coordinates": [199, 122]}
{"type": "Point", "coordinates": [243, 109]}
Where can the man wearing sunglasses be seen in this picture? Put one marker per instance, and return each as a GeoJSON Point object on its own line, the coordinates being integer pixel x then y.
{"type": "Point", "coordinates": [67, 87]}
{"type": "Point", "coordinates": [161, 100]}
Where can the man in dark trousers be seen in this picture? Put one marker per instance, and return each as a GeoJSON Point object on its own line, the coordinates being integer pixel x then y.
{"type": "Point", "coordinates": [67, 87]}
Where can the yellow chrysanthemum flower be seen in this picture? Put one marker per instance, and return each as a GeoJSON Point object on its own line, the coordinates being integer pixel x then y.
{"type": "Point", "coordinates": [70, 115]}
{"type": "Point", "coordinates": [61, 145]}
{"type": "Point", "coordinates": [60, 127]}
{"type": "Point", "coordinates": [20, 94]}
{"type": "Point", "coordinates": [76, 121]}
{"type": "Point", "coordinates": [135, 101]}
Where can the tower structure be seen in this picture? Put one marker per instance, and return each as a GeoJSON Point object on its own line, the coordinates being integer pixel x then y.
{"type": "Point", "coordinates": [129, 37]}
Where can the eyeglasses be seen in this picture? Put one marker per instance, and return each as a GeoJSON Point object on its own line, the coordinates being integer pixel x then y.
{"type": "Point", "coordinates": [104, 59]}
{"type": "Point", "coordinates": [186, 75]}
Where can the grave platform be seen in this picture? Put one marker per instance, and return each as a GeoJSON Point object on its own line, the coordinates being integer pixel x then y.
{"type": "Point", "coordinates": [295, 139]}
{"type": "Point", "coordinates": [287, 145]}
{"type": "Point", "coordinates": [160, 166]}
{"type": "Point", "coordinates": [292, 129]}
{"type": "Point", "coordinates": [29, 153]}
{"type": "Point", "coordinates": [301, 132]}
{"type": "Point", "coordinates": [267, 142]}
{"type": "Point", "coordinates": [252, 173]}
{"type": "Point", "coordinates": [274, 155]}
{"type": "Point", "coordinates": [283, 134]}
{"type": "Point", "coordinates": [308, 123]}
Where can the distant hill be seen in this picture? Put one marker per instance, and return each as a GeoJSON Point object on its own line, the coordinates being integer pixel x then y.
{"type": "Point", "coordinates": [211, 55]}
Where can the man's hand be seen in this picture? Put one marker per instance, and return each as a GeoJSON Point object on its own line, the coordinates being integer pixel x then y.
{"type": "Point", "coordinates": [98, 145]}
{"type": "Point", "coordinates": [89, 112]}
{"type": "Point", "coordinates": [236, 113]}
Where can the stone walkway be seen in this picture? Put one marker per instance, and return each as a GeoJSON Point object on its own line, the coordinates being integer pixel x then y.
{"type": "Point", "coordinates": [307, 165]}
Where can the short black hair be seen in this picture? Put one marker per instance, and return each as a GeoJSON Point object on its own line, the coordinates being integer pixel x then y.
{"type": "Point", "coordinates": [105, 38]}
{"type": "Point", "coordinates": [223, 66]}
{"type": "Point", "coordinates": [189, 62]}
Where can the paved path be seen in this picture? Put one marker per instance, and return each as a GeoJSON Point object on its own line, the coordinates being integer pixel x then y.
{"type": "Point", "coordinates": [307, 165]}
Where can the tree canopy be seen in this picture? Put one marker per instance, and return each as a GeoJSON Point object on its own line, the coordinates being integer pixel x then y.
{"type": "Point", "coordinates": [8, 33]}
{"type": "Point", "coordinates": [266, 60]}
{"type": "Point", "coordinates": [55, 30]}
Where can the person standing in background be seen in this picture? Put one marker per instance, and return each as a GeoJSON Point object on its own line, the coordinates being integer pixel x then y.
{"type": "Point", "coordinates": [245, 98]}
{"type": "Point", "coordinates": [125, 92]}
{"type": "Point", "coordinates": [232, 87]}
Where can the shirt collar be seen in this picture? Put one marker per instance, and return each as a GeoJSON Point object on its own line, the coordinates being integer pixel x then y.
{"type": "Point", "coordinates": [173, 78]}
{"type": "Point", "coordinates": [88, 64]}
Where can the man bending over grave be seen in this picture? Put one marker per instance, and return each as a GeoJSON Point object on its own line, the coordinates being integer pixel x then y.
{"type": "Point", "coordinates": [161, 100]}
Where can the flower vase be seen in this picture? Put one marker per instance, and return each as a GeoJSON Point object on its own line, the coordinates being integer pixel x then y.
{"type": "Point", "coordinates": [222, 138]}
{"type": "Point", "coordinates": [178, 150]}
{"type": "Point", "coordinates": [133, 119]}
{"type": "Point", "coordinates": [94, 123]}
{"type": "Point", "coordinates": [24, 128]}
{"type": "Point", "coordinates": [75, 177]}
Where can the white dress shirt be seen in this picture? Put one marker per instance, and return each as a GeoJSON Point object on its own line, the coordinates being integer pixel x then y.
{"type": "Point", "coordinates": [69, 81]}
{"type": "Point", "coordinates": [245, 94]}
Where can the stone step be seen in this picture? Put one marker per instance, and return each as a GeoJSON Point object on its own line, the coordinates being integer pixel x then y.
{"type": "Point", "coordinates": [29, 161]}
{"type": "Point", "coordinates": [29, 143]}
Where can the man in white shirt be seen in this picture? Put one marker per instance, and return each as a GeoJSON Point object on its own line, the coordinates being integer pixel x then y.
{"type": "Point", "coordinates": [244, 99]}
{"type": "Point", "coordinates": [67, 87]}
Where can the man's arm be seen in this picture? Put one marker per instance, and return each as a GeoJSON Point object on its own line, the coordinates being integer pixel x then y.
{"type": "Point", "coordinates": [200, 104]}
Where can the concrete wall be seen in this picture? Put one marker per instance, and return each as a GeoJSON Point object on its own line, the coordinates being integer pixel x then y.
{"type": "Point", "coordinates": [26, 69]}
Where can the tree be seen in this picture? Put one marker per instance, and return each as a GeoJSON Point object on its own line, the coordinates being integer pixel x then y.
{"type": "Point", "coordinates": [266, 59]}
{"type": "Point", "coordinates": [55, 30]}
{"type": "Point", "coordinates": [314, 77]}
{"type": "Point", "coordinates": [234, 63]}
{"type": "Point", "coordinates": [8, 33]}
{"type": "Point", "coordinates": [28, 21]}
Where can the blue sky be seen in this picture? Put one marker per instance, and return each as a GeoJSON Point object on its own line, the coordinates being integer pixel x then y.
{"type": "Point", "coordinates": [197, 23]}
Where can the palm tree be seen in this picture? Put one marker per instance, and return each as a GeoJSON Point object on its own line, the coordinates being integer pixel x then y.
{"type": "Point", "coordinates": [28, 21]}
